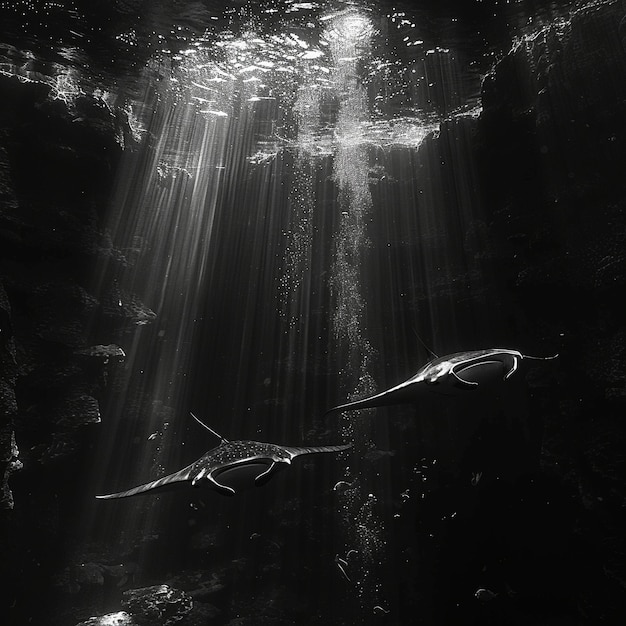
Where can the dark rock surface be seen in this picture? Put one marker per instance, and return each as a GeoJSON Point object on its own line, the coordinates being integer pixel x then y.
{"type": "Point", "coordinates": [552, 147]}
{"type": "Point", "coordinates": [57, 162]}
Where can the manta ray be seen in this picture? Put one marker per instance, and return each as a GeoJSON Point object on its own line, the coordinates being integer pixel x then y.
{"type": "Point", "coordinates": [230, 467]}
{"type": "Point", "coordinates": [447, 375]}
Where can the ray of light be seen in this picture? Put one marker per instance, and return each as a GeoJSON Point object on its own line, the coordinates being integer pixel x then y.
{"type": "Point", "coordinates": [258, 268]}
{"type": "Point", "coordinates": [161, 221]}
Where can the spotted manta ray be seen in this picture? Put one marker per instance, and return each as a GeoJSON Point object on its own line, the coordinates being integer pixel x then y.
{"type": "Point", "coordinates": [447, 375]}
{"type": "Point", "coordinates": [230, 467]}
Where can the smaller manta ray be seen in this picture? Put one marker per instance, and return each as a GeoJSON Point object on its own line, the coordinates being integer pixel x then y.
{"type": "Point", "coordinates": [447, 375]}
{"type": "Point", "coordinates": [230, 467]}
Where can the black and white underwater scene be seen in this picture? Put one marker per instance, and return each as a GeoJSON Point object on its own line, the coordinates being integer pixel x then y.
{"type": "Point", "coordinates": [313, 313]}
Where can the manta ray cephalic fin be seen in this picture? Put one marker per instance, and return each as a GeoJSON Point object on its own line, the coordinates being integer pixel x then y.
{"type": "Point", "coordinates": [466, 383]}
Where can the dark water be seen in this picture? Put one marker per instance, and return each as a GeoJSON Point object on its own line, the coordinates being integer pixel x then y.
{"type": "Point", "coordinates": [307, 220]}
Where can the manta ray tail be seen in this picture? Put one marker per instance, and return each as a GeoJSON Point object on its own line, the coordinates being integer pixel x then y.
{"type": "Point", "coordinates": [315, 449]}
{"type": "Point", "coordinates": [161, 484]}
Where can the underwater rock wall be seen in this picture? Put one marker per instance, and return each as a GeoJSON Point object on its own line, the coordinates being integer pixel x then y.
{"type": "Point", "coordinates": [552, 152]}
{"type": "Point", "coordinates": [62, 331]}
{"type": "Point", "coordinates": [57, 164]}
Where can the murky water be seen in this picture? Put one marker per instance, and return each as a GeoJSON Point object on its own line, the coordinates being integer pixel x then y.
{"type": "Point", "coordinates": [299, 247]}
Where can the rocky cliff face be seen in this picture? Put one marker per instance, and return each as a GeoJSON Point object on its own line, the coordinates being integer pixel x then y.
{"type": "Point", "coordinates": [553, 140]}
{"type": "Point", "coordinates": [57, 162]}
{"type": "Point", "coordinates": [57, 352]}
{"type": "Point", "coordinates": [59, 332]}
{"type": "Point", "coordinates": [552, 147]}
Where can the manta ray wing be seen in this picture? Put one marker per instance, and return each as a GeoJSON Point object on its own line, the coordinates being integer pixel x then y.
{"type": "Point", "coordinates": [404, 392]}
{"type": "Point", "coordinates": [295, 451]}
{"type": "Point", "coordinates": [292, 452]}
{"type": "Point", "coordinates": [162, 484]}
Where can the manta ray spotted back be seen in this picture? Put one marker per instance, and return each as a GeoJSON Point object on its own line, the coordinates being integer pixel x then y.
{"type": "Point", "coordinates": [447, 375]}
{"type": "Point", "coordinates": [230, 467]}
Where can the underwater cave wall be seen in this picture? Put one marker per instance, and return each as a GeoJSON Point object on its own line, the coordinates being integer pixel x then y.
{"type": "Point", "coordinates": [58, 158]}
{"type": "Point", "coordinates": [552, 148]}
